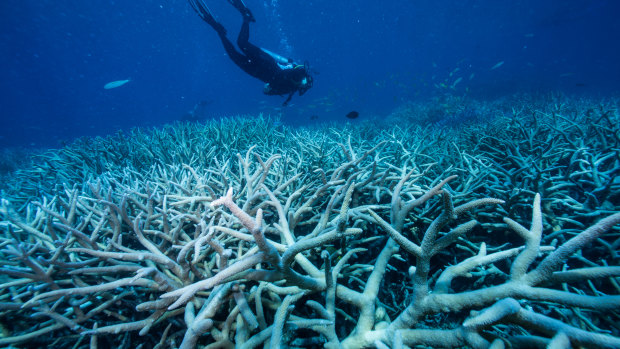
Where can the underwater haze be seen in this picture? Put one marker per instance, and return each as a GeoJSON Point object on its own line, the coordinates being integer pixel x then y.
{"type": "Point", "coordinates": [448, 175]}
{"type": "Point", "coordinates": [57, 55]}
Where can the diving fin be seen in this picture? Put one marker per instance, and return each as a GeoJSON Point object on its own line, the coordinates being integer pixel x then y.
{"type": "Point", "coordinates": [203, 11]}
{"type": "Point", "coordinates": [245, 11]}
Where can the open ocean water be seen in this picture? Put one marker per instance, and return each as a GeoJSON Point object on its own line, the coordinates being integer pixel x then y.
{"type": "Point", "coordinates": [368, 56]}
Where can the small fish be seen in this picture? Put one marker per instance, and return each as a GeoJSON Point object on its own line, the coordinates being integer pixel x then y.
{"type": "Point", "coordinates": [453, 86]}
{"type": "Point", "coordinates": [497, 65]}
{"type": "Point", "coordinates": [115, 84]}
{"type": "Point", "coordinates": [352, 114]}
{"type": "Point", "coordinates": [314, 117]}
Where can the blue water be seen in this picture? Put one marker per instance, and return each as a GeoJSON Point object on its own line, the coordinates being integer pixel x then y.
{"type": "Point", "coordinates": [370, 56]}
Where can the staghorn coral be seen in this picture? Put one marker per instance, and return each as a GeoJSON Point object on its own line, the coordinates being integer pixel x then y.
{"type": "Point", "coordinates": [238, 233]}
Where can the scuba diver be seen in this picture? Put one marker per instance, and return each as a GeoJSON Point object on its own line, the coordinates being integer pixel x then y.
{"type": "Point", "coordinates": [281, 76]}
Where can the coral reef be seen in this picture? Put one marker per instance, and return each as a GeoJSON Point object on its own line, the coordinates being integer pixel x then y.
{"type": "Point", "coordinates": [501, 231]}
{"type": "Point", "coordinates": [12, 159]}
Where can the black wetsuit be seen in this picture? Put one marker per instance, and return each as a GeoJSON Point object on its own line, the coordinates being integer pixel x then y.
{"type": "Point", "coordinates": [261, 65]}
{"type": "Point", "coordinates": [282, 77]}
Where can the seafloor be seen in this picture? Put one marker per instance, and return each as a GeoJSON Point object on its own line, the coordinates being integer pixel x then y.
{"type": "Point", "coordinates": [451, 223]}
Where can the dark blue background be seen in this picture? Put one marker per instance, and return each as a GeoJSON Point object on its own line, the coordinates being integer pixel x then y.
{"type": "Point", "coordinates": [56, 55]}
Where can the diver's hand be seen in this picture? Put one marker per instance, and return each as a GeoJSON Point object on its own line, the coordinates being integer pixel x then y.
{"type": "Point", "coordinates": [288, 99]}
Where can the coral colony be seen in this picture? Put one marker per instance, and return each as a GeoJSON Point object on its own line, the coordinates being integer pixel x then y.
{"type": "Point", "coordinates": [499, 231]}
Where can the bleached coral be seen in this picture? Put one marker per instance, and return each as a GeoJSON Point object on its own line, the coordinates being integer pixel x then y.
{"type": "Point", "coordinates": [242, 233]}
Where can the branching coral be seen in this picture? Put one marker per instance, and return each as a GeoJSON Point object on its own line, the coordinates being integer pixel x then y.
{"type": "Point", "coordinates": [207, 235]}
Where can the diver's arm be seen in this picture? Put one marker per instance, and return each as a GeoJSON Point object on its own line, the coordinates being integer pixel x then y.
{"type": "Point", "coordinates": [288, 99]}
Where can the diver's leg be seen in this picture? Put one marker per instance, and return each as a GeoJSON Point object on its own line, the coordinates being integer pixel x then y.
{"type": "Point", "coordinates": [243, 40]}
{"type": "Point", "coordinates": [245, 11]}
{"type": "Point", "coordinates": [249, 49]}
{"type": "Point", "coordinates": [241, 60]}
{"type": "Point", "coordinates": [203, 11]}
{"type": "Point", "coordinates": [259, 63]}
